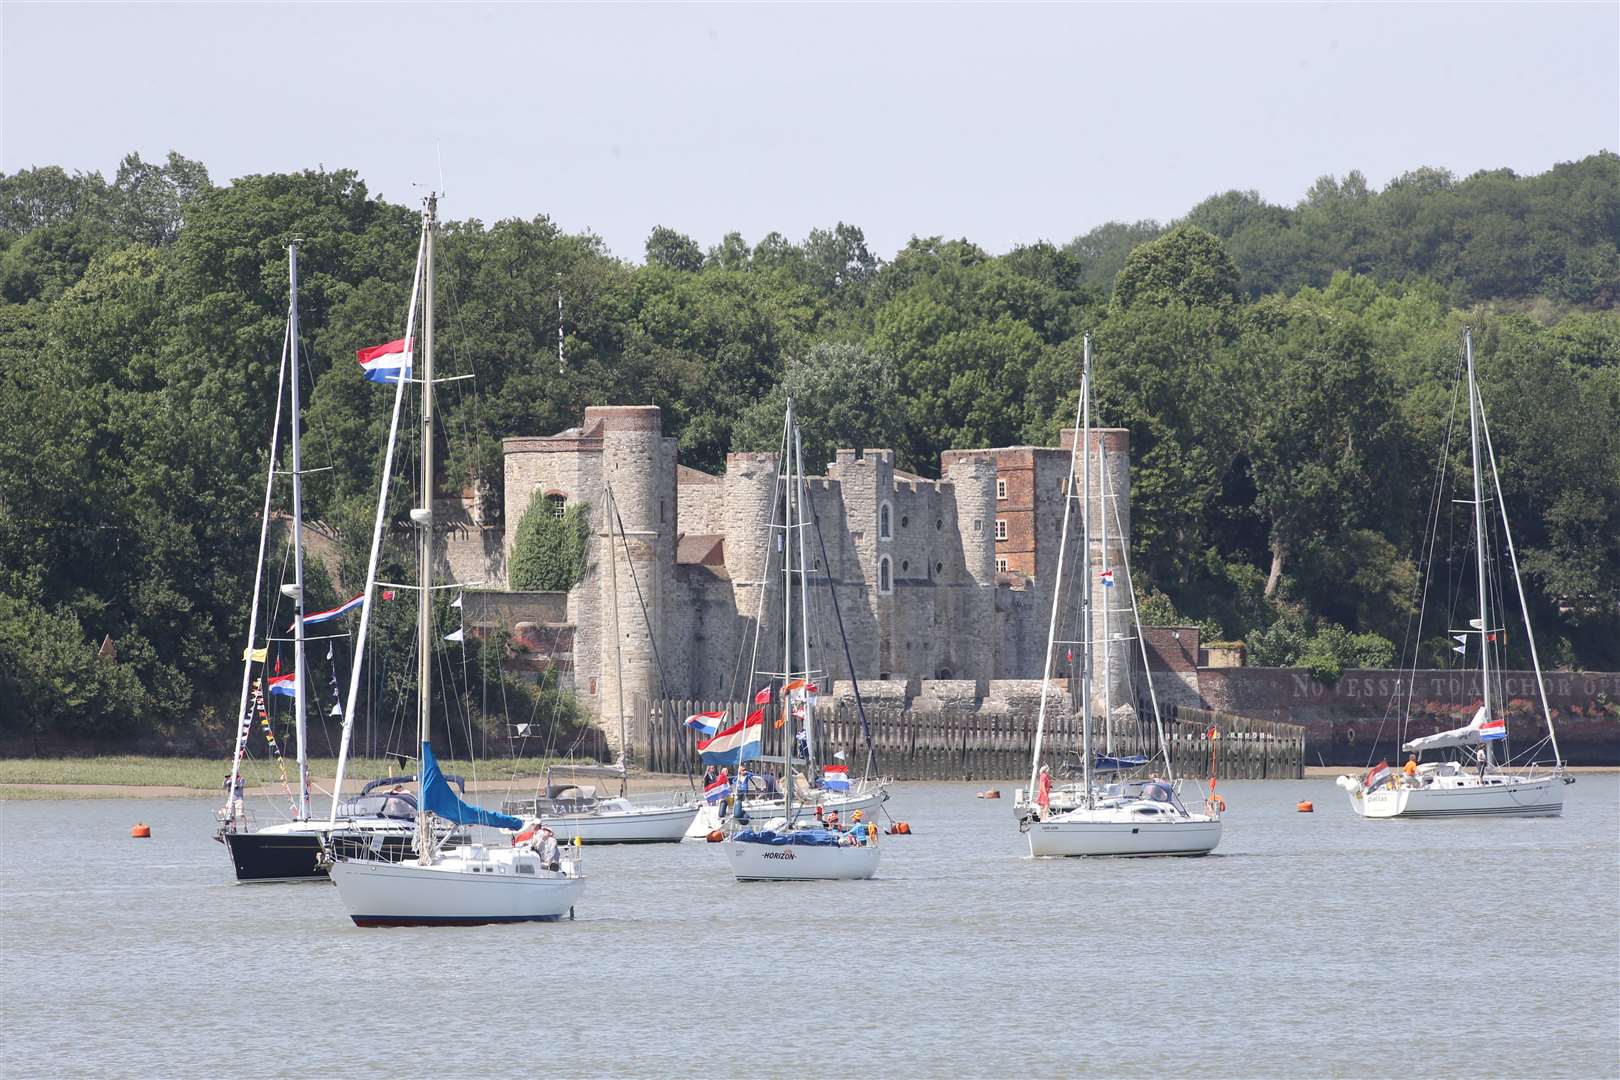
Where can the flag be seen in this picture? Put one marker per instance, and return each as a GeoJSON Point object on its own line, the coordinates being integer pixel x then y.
{"type": "Point", "coordinates": [388, 594]}
{"type": "Point", "coordinates": [763, 697]}
{"type": "Point", "coordinates": [1492, 730]}
{"type": "Point", "coordinates": [796, 684]}
{"type": "Point", "coordinates": [705, 723]}
{"type": "Point", "coordinates": [835, 778]}
{"type": "Point", "coordinates": [285, 685]}
{"type": "Point", "coordinates": [728, 746]}
{"type": "Point", "coordinates": [1463, 638]}
{"type": "Point", "coordinates": [1491, 636]}
{"type": "Point", "coordinates": [1068, 656]}
{"type": "Point", "coordinates": [333, 613]}
{"type": "Point", "coordinates": [258, 656]}
{"type": "Point", "coordinates": [1459, 648]}
{"type": "Point", "coordinates": [1213, 734]}
{"type": "Point", "coordinates": [278, 664]}
{"type": "Point", "coordinates": [839, 754]}
{"type": "Point", "coordinates": [1377, 776]}
{"type": "Point", "coordinates": [454, 635]}
{"type": "Point", "coordinates": [386, 363]}
{"type": "Point", "coordinates": [1108, 579]}
{"type": "Point", "coordinates": [715, 792]}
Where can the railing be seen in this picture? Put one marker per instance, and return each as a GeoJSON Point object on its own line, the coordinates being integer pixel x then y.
{"type": "Point", "coordinates": [976, 744]}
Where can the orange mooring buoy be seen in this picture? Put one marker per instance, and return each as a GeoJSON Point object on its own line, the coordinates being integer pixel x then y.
{"type": "Point", "coordinates": [1306, 808]}
{"type": "Point", "coordinates": [902, 828]}
{"type": "Point", "coordinates": [141, 831]}
{"type": "Point", "coordinates": [991, 794]}
{"type": "Point", "coordinates": [716, 836]}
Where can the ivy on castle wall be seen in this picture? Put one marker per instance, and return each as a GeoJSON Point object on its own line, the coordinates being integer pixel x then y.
{"type": "Point", "coordinates": [548, 554]}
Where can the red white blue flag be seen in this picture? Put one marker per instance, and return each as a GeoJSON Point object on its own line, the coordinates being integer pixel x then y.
{"type": "Point", "coordinates": [333, 613]}
{"type": "Point", "coordinates": [835, 778]}
{"type": "Point", "coordinates": [705, 722]}
{"type": "Point", "coordinates": [1492, 730]}
{"type": "Point", "coordinates": [285, 685]}
{"type": "Point", "coordinates": [730, 745]}
{"type": "Point", "coordinates": [1377, 776]}
{"type": "Point", "coordinates": [386, 363]}
{"type": "Point", "coordinates": [718, 790]}
{"type": "Point", "coordinates": [1108, 579]}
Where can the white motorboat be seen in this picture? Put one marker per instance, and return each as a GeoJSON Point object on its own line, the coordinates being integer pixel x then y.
{"type": "Point", "coordinates": [1473, 783]}
{"type": "Point", "coordinates": [795, 846]}
{"type": "Point", "coordinates": [1135, 817]}
{"type": "Point", "coordinates": [619, 821]}
{"type": "Point", "coordinates": [444, 884]}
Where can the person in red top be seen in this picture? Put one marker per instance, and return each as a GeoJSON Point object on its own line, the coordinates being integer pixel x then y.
{"type": "Point", "coordinates": [1043, 793]}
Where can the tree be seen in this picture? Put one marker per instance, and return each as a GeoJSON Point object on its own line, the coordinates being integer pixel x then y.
{"type": "Point", "coordinates": [549, 551]}
{"type": "Point", "coordinates": [845, 396]}
{"type": "Point", "coordinates": [1186, 265]}
{"type": "Point", "coordinates": [673, 251]}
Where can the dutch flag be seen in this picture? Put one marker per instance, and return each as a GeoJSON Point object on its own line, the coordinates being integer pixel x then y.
{"type": "Point", "coordinates": [1377, 776]}
{"type": "Point", "coordinates": [718, 790]}
{"type": "Point", "coordinates": [333, 613]}
{"type": "Point", "coordinates": [386, 363]}
{"type": "Point", "coordinates": [1108, 579]}
{"type": "Point", "coordinates": [285, 685]}
{"type": "Point", "coordinates": [704, 723]}
{"type": "Point", "coordinates": [1492, 730]}
{"type": "Point", "coordinates": [835, 778]}
{"type": "Point", "coordinates": [727, 747]}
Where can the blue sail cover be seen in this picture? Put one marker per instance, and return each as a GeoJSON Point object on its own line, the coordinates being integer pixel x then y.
{"type": "Point", "coordinates": [1120, 764]}
{"type": "Point", "coordinates": [437, 798]}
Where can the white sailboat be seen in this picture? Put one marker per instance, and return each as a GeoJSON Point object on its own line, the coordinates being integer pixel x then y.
{"type": "Point", "coordinates": [786, 847]}
{"type": "Point", "coordinates": [1473, 783]}
{"type": "Point", "coordinates": [1142, 816]}
{"type": "Point", "coordinates": [445, 883]}
{"type": "Point", "coordinates": [576, 811]}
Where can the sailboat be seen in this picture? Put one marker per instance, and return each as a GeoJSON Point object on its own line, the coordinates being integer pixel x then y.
{"type": "Point", "coordinates": [1473, 782]}
{"type": "Point", "coordinates": [290, 850]}
{"type": "Point", "coordinates": [783, 848]}
{"type": "Point", "coordinates": [576, 811]}
{"type": "Point", "coordinates": [1134, 815]}
{"type": "Point", "coordinates": [447, 881]}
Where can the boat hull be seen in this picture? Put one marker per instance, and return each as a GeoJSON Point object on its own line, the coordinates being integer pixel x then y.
{"type": "Point", "coordinates": [451, 893]}
{"type": "Point", "coordinates": [708, 817]}
{"type": "Point", "coordinates": [1194, 835]}
{"type": "Point", "coordinates": [801, 862]}
{"type": "Point", "coordinates": [660, 826]}
{"type": "Point", "coordinates": [268, 856]}
{"type": "Point", "coordinates": [1542, 797]}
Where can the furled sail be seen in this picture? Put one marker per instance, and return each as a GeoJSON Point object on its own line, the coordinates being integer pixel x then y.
{"type": "Point", "coordinates": [1468, 735]}
{"type": "Point", "coordinates": [437, 798]}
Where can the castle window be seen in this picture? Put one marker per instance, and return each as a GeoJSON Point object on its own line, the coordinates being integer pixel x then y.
{"type": "Point", "coordinates": [1001, 489]}
{"type": "Point", "coordinates": [1001, 566]}
{"type": "Point", "coordinates": [939, 523]}
{"type": "Point", "coordinates": [904, 521]}
{"type": "Point", "coordinates": [884, 532]}
{"type": "Point", "coordinates": [978, 526]}
{"type": "Point", "coordinates": [1001, 528]}
{"type": "Point", "coordinates": [905, 564]}
{"type": "Point", "coordinates": [885, 579]}
{"type": "Point", "coordinates": [939, 568]}
{"type": "Point", "coordinates": [558, 504]}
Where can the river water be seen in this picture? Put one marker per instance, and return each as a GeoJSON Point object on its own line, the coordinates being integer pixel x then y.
{"type": "Point", "coordinates": [1309, 945]}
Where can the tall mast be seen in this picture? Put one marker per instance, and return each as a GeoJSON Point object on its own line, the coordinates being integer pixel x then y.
{"type": "Point", "coordinates": [1107, 629]}
{"type": "Point", "coordinates": [299, 678]}
{"type": "Point", "coordinates": [1479, 532]}
{"type": "Point", "coordinates": [1057, 579]}
{"type": "Point", "coordinates": [618, 642]}
{"type": "Point", "coordinates": [804, 607]}
{"type": "Point", "coordinates": [423, 517]}
{"type": "Point", "coordinates": [787, 618]}
{"type": "Point", "coordinates": [1085, 569]}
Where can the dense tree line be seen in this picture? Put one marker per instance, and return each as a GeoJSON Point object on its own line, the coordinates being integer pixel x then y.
{"type": "Point", "coordinates": [1286, 374]}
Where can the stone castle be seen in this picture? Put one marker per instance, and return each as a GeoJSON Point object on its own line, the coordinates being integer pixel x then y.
{"type": "Point", "coordinates": [936, 580]}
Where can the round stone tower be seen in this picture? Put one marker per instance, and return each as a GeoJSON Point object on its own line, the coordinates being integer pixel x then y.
{"type": "Point", "coordinates": [751, 497]}
{"type": "Point", "coordinates": [972, 476]}
{"type": "Point", "coordinates": [633, 462]}
{"type": "Point", "coordinates": [1116, 653]}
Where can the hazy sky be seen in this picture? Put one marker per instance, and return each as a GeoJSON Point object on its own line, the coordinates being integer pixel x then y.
{"type": "Point", "coordinates": [1002, 124]}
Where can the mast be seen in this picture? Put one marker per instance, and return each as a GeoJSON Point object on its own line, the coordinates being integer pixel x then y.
{"type": "Point", "coordinates": [299, 679]}
{"type": "Point", "coordinates": [242, 725]}
{"type": "Point", "coordinates": [1085, 570]}
{"type": "Point", "coordinates": [1107, 629]}
{"type": "Point", "coordinates": [804, 608]}
{"type": "Point", "coordinates": [1057, 576]}
{"type": "Point", "coordinates": [423, 516]}
{"type": "Point", "coordinates": [1479, 533]}
{"type": "Point", "coordinates": [618, 642]}
{"type": "Point", "coordinates": [787, 619]}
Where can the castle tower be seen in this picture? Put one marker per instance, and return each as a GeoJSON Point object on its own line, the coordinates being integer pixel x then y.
{"type": "Point", "coordinates": [1115, 652]}
{"type": "Point", "coordinates": [972, 476]}
{"type": "Point", "coordinates": [750, 503]}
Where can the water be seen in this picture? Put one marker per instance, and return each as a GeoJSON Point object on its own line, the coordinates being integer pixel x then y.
{"type": "Point", "coordinates": [1308, 945]}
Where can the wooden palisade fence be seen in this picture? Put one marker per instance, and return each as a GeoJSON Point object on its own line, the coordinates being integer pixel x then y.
{"type": "Point", "coordinates": [962, 744]}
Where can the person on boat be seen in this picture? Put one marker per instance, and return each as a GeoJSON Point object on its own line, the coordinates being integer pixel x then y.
{"type": "Point", "coordinates": [1411, 767]}
{"type": "Point", "coordinates": [235, 789]}
{"type": "Point", "coordinates": [771, 785]}
{"type": "Point", "coordinates": [544, 844]}
{"type": "Point", "coordinates": [709, 776]}
{"type": "Point", "coordinates": [831, 820]}
{"type": "Point", "coordinates": [1043, 792]}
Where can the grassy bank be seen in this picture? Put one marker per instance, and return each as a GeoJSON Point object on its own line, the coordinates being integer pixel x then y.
{"type": "Point", "coordinates": [208, 774]}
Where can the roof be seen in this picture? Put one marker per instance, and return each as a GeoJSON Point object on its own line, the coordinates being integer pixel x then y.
{"type": "Point", "coordinates": [702, 550]}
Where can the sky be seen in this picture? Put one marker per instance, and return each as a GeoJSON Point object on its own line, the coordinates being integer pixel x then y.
{"type": "Point", "coordinates": [1004, 124]}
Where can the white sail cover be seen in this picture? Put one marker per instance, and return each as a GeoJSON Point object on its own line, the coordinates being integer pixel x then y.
{"type": "Point", "coordinates": [1463, 736]}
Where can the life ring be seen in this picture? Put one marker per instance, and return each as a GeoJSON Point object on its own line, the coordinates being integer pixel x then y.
{"type": "Point", "coordinates": [1214, 805]}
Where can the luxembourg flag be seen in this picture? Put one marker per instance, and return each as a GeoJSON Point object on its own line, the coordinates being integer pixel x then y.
{"type": "Point", "coordinates": [333, 613]}
{"type": "Point", "coordinates": [729, 745]}
{"type": "Point", "coordinates": [386, 363]}
{"type": "Point", "coordinates": [713, 793]}
{"type": "Point", "coordinates": [1377, 776]}
{"type": "Point", "coordinates": [704, 723]}
{"type": "Point", "coordinates": [835, 778]}
{"type": "Point", "coordinates": [285, 685]}
{"type": "Point", "coordinates": [1492, 730]}
{"type": "Point", "coordinates": [1108, 579]}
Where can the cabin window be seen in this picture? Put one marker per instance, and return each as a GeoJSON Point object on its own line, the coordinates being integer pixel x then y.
{"type": "Point", "coordinates": [884, 532]}
{"type": "Point", "coordinates": [1001, 528]}
{"type": "Point", "coordinates": [525, 868]}
{"type": "Point", "coordinates": [885, 581]}
{"type": "Point", "coordinates": [1001, 489]}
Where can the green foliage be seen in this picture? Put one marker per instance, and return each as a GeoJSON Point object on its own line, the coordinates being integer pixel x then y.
{"type": "Point", "coordinates": [1324, 649]}
{"type": "Point", "coordinates": [1186, 265]}
{"type": "Point", "coordinates": [831, 416]}
{"type": "Point", "coordinates": [549, 552]}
